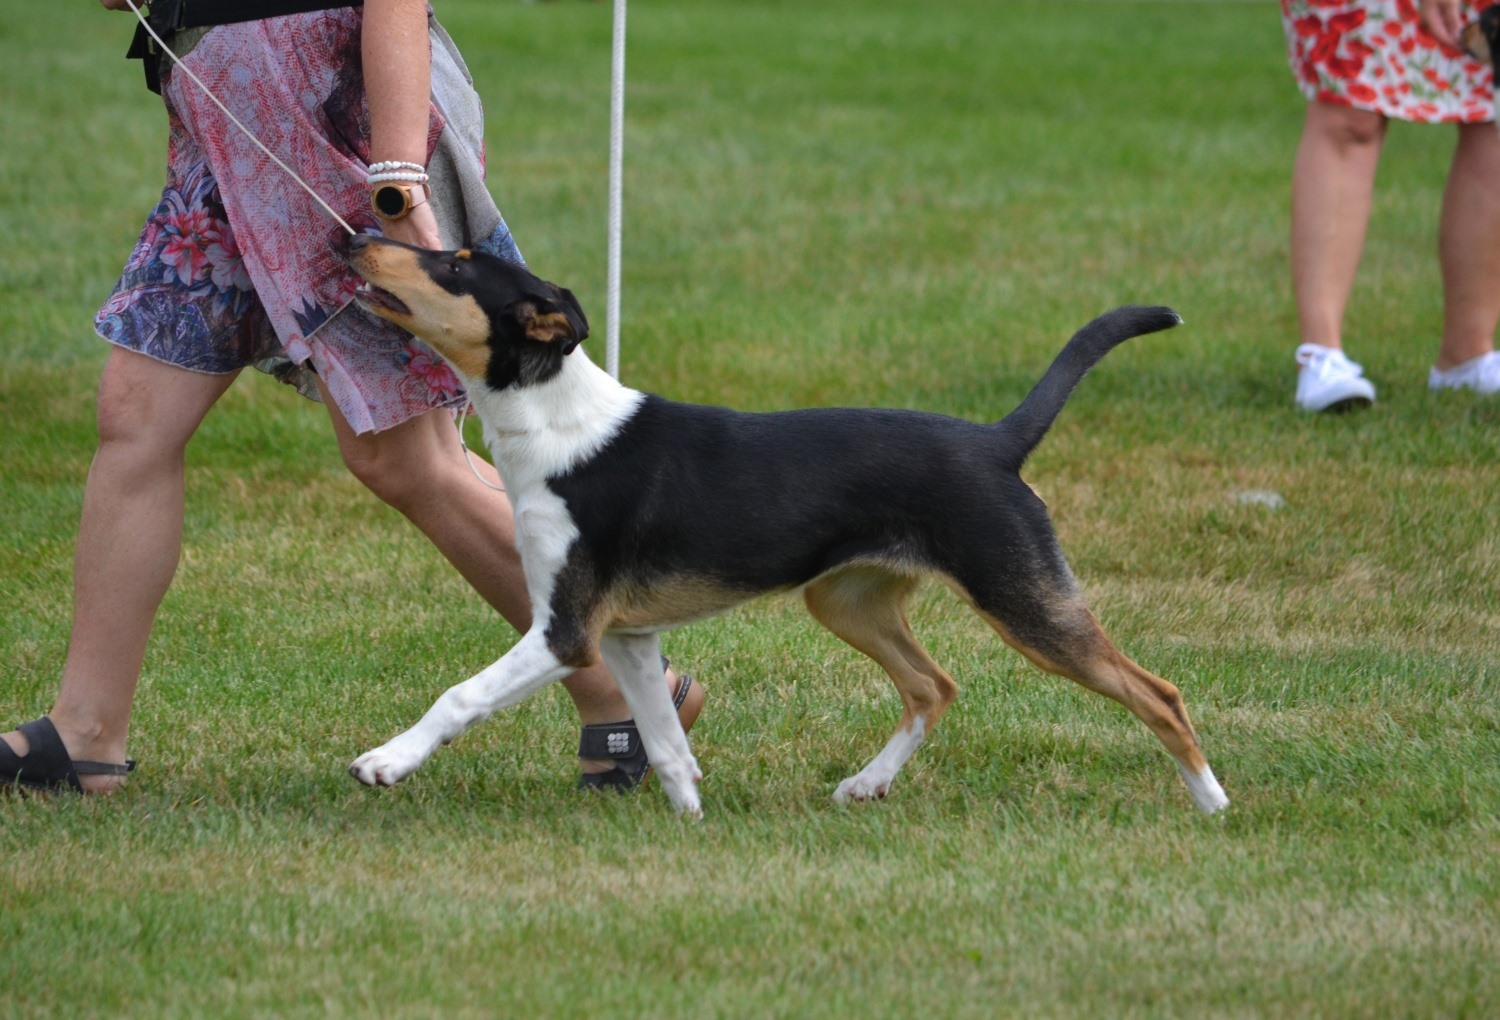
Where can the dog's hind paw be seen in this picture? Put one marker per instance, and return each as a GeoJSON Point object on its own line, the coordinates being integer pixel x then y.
{"type": "Point", "coordinates": [1206, 791]}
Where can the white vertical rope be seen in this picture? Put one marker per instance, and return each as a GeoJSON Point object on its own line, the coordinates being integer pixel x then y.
{"type": "Point", "coordinates": [616, 189]}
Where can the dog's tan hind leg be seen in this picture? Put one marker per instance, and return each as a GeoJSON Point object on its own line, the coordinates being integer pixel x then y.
{"type": "Point", "coordinates": [1076, 647]}
{"type": "Point", "coordinates": [863, 605]}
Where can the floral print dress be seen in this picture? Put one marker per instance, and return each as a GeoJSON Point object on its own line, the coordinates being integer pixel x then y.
{"type": "Point", "coordinates": [239, 267]}
{"type": "Point", "coordinates": [1375, 55]}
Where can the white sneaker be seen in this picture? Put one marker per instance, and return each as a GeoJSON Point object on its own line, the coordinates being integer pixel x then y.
{"type": "Point", "coordinates": [1481, 374]}
{"type": "Point", "coordinates": [1328, 381]}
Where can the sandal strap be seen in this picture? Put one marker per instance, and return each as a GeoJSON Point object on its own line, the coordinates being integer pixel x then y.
{"type": "Point", "coordinates": [622, 740]}
{"type": "Point", "coordinates": [104, 768]}
{"type": "Point", "coordinates": [616, 779]}
{"type": "Point", "coordinates": [46, 765]}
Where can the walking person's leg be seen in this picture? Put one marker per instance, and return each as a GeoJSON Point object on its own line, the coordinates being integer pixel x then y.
{"type": "Point", "coordinates": [1469, 253]}
{"type": "Point", "coordinates": [129, 542]}
{"type": "Point", "coordinates": [1333, 184]}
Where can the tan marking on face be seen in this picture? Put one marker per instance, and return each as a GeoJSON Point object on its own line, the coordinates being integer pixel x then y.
{"type": "Point", "coordinates": [462, 334]}
{"type": "Point", "coordinates": [453, 324]}
{"type": "Point", "coordinates": [463, 253]}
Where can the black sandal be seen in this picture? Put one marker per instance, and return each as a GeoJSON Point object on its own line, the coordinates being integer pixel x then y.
{"type": "Point", "coordinates": [621, 742]}
{"type": "Point", "coordinates": [46, 766]}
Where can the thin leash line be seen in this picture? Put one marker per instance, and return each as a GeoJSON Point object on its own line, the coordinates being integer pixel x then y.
{"type": "Point", "coordinates": [177, 61]}
{"type": "Point", "coordinates": [469, 458]}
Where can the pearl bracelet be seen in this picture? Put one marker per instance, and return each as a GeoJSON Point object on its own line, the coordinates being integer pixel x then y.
{"type": "Point", "coordinates": [396, 164]}
{"type": "Point", "coordinates": [397, 175]}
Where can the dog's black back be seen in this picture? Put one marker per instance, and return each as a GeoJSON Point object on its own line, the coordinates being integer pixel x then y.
{"type": "Point", "coordinates": [755, 502]}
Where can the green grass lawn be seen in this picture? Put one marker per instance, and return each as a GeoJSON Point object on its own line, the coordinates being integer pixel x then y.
{"type": "Point", "coordinates": [834, 202]}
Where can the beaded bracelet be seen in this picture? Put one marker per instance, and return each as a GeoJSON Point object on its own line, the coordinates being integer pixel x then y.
{"type": "Point", "coordinates": [397, 175]}
{"type": "Point", "coordinates": [396, 164]}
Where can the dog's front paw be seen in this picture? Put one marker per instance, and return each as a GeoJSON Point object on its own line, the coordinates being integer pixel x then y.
{"type": "Point", "coordinates": [861, 787]}
{"type": "Point", "coordinates": [384, 766]}
{"type": "Point", "coordinates": [689, 806]}
{"type": "Point", "coordinates": [682, 790]}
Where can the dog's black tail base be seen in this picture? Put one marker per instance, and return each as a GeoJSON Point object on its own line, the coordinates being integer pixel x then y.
{"type": "Point", "coordinates": [1033, 417]}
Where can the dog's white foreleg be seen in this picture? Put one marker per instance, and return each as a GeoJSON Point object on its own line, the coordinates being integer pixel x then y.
{"type": "Point", "coordinates": [519, 673]}
{"type": "Point", "coordinates": [874, 780]}
{"type": "Point", "coordinates": [635, 661]}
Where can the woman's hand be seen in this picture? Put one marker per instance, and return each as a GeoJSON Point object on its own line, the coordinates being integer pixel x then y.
{"type": "Point", "coordinates": [1443, 21]}
{"type": "Point", "coordinates": [418, 227]}
{"type": "Point", "coordinates": [116, 5]}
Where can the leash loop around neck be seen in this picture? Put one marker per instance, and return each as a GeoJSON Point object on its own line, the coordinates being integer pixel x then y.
{"type": "Point", "coordinates": [463, 442]}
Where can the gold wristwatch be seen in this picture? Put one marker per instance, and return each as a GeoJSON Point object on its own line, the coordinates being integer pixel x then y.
{"type": "Point", "coordinates": [394, 201]}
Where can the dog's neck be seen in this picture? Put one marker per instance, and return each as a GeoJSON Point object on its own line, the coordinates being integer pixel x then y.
{"type": "Point", "coordinates": [543, 429]}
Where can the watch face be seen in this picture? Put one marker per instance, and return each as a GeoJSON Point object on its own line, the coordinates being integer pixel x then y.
{"type": "Point", "coordinates": [390, 202]}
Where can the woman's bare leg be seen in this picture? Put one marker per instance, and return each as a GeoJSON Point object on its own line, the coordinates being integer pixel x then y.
{"type": "Point", "coordinates": [1469, 247]}
{"type": "Point", "coordinates": [129, 542]}
{"type": "Point", "coordinates": [1333, 184]}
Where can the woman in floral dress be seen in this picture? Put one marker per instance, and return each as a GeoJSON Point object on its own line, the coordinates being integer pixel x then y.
{"type": "Point", "coordinates": [1361, 63]}
{"type": "Point", "coordinates": [238, 267]}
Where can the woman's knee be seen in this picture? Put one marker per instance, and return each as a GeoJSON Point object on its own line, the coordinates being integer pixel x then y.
{"type": "Point", "coordinates": [375, 472]}
{"type": "Point", "coordinates": [398, 464]}
{"type": "Point", "coordinates": [1347, 127]}
{"type": "Point", "coordinates": [149, 406]}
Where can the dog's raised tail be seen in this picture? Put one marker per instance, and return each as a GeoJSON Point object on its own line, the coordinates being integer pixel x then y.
{"type": "Point", "coordinates": [1029, 422]}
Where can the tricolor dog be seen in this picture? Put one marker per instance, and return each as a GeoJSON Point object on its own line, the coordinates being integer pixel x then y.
{"type": "Point", "coordinates": [635, 514]}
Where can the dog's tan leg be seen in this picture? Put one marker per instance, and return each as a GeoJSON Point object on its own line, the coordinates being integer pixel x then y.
{"type": "Point", "coordinates": [1077, 647]}
{"type": "Point", "coordinates": [863, 606]}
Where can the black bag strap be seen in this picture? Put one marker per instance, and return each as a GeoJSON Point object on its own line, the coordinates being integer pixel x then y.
{"type": "Point", "coordinates": [198, 13]}
{"type": "Point", "coordinates": [168, 16]}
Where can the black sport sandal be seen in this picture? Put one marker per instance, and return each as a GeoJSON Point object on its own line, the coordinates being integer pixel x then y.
{"type": "Point", "coordinates": [46, 766]}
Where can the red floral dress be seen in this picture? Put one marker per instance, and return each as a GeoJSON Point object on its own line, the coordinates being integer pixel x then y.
{"type": "Point", "coordinates": [1375, 55]}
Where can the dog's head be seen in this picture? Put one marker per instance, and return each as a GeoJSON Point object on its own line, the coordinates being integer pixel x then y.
{"type": "Point", "coordinates": [492, 319]}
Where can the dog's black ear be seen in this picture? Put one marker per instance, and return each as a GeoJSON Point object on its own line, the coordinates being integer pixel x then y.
{"type": "Point", "coordinates": [569, 306]}
{"type": "Point", "coordinates": [551, 320]}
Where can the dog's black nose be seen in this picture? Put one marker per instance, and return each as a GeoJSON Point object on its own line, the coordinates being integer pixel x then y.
{"type": "Point", "coordinates": [358, 242]}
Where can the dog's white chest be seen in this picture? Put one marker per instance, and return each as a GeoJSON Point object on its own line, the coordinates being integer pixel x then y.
{"type": "Point", "coordinates": [541, 431]}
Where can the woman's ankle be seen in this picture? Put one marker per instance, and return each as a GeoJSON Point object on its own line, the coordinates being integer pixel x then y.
{"type": "Point", "coordinates": [88, 738]}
